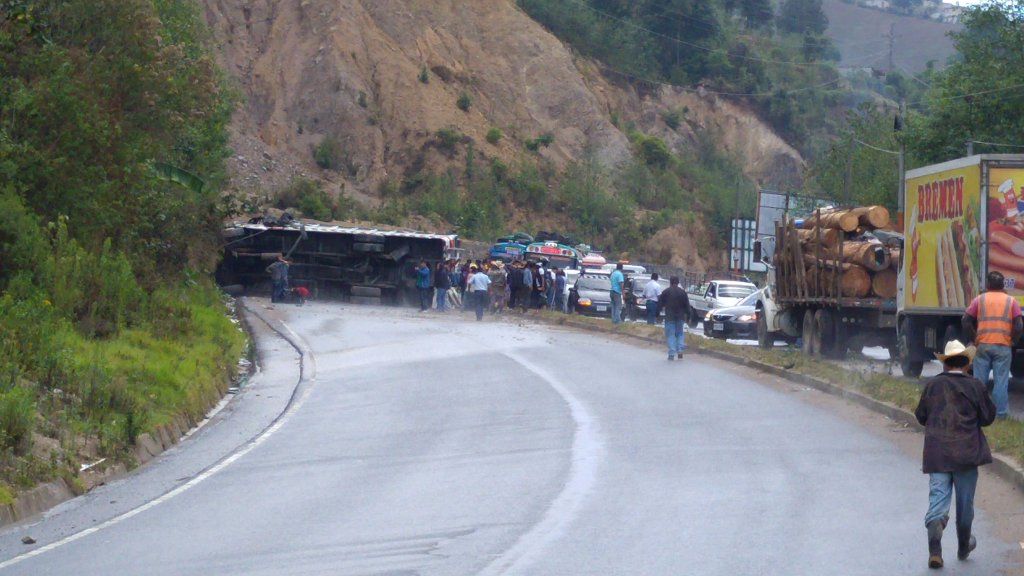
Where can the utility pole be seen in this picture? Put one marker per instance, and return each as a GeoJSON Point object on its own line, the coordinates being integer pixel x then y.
{"type": "Point", "coordinates": [892, 44]}
{"type": "Point", "coordinates": [901, 199]}
{"type": "Point", "coordinates": [848, 177]}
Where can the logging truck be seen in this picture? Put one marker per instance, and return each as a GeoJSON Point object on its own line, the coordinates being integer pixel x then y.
{"type": "Point", "coordinates": [832, 282]}
{"type": "Point", "coordinates": [964, 218]}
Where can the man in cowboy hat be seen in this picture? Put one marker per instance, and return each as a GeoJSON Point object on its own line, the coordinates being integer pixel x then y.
{"type": "Point", "coordinates": [954, 406]}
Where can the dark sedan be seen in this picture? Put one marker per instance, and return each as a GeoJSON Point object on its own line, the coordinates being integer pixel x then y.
{"type": "Point", "coordinates": [739, 321]}
{"type": "Point", "coordinates": [633, 297]}
{"type": "Point", "coordinates": [590, 295]}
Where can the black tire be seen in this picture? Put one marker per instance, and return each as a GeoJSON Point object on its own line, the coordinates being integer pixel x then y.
{"type": "Point", "coordinates": [832, 343]}
{"type": "Point", "coordinates": [823, 333]}
{"type": "Point", "coordinates": [765, 340]}
{"type": "Point", "coordinates": [809, 337]}
{"type": "Point", "coordinates": [692, 320]}
{"type": "Point", "coordinates": [369, 291]}
{"type": "Point", "coordinates": [910, 368]}
{"type": "Point", "coordinates": [365, 300]}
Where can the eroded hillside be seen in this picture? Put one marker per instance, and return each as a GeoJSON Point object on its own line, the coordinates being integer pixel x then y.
{"type": "Point", "coordinates": [353, 70]}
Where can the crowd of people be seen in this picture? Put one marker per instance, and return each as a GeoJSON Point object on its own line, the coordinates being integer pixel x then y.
{"type": "Point", "coordinates": [490, 286]}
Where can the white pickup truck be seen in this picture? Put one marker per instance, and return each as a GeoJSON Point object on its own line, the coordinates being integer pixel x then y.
{"type": "Point", "coordinates": [715, 294]}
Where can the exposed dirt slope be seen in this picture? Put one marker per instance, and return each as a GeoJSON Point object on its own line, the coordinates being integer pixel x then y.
{"type": "Point", "coordinates": [303, 66]}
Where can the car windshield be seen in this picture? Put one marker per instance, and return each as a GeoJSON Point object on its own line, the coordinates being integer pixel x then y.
{"type": "Point", "coordinates": [728, 291]}
{"type": "Point", "coordinates": [591, 283]}
{"type": "Point", "coordinates": [749, 300]}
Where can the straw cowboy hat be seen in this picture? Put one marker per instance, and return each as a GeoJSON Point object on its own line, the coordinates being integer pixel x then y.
{"type": "Point", "coordinates": [956, 348]}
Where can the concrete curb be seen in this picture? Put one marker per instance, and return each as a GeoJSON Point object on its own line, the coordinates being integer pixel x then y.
{"type": "Point", "coordinates": [1005, 467]}
{"type": "Point", "coordinates": [147, 446]}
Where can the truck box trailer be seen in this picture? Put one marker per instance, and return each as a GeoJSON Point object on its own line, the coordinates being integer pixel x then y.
{"type": "Point", "coordinates": [964, 218]}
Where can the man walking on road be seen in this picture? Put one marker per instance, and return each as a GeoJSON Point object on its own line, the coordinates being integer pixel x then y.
{"type": "Point", "coordinates": [994, 318]}
{"type": "Point", "coordinates": [676, 304]}
{"type": "Point", "coordinates": [616, 293]}
{"type": "Point", "coordinates": [953, 409]}
{"type": "Point", "coordinates": [478, 287]}
{"type": "Point", "coordinates": [652, 290]}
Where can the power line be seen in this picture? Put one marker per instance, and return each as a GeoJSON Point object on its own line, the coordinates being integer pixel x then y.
{"type": "Point", "coordinates": [998, 144]}
{"type": "Point", "coordinates": [862, 143]}
{"type": "Point", "coordinates": [685, 43]}
{"type": "Point", "coordinates": [700, 90]}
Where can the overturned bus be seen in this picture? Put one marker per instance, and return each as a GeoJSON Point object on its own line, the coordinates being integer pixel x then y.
{"type": "Point", "coordinates": [362, 265]}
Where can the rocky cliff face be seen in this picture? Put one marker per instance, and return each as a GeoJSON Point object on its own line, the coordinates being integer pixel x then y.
{"type": "Point", "coordinates": [351, 70]}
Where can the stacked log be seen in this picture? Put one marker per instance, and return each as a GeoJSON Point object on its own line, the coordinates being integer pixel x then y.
{"type": "Point", "coordinates": [835, 256]}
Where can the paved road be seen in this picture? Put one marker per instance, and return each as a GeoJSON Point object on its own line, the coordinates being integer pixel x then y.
{"type": "Point", "coordinates": [424, 444]}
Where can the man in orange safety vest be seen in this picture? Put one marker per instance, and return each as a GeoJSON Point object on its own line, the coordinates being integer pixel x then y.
{"type": "Point", "coordinates": [994, 318]}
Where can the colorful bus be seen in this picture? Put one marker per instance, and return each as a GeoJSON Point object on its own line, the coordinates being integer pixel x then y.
{"type": "Point", "coordinates": [507, 251]}
{"type": "Point", "coordinates": [558, 255]}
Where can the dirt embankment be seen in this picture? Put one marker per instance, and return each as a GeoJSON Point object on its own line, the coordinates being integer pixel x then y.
{"type": "Point", "coordinates": [354, 71]}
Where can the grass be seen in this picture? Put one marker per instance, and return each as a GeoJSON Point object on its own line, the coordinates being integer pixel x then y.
{"type": "Point", "coordinates": [1004, 436]}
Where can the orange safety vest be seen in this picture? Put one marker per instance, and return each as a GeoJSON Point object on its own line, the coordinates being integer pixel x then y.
{"type": "Point", "coordinates": [994, 322]}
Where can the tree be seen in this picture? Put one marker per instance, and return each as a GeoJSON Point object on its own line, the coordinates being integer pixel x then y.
{"type": "Point", "coordinates": [758, 13]}
{"type": "Point", "coordinates": [978, 96]}
{"type": "Point", "coordinates": [801, 16]}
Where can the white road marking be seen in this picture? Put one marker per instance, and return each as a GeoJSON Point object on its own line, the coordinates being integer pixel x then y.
{"type": "Point", "coordinates": [588, 452]}
{"type": "Point", "coordinates": [307, 375]}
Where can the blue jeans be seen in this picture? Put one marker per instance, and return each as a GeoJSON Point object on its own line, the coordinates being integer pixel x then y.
{"type": "Point", "coordinates": [616, 307]}
{"type": "Point", "coordinates": [560, 302]}
{"type": "Point", "coordinates": [652, 312]}
{"type": "Point", "coordinates": [442, 299]}
{"type": "Point", "coordinates": [940, 492]}
{"type": "Point", "coordinates": [675, 336]}
{"type": "Point", "coordinates": [277, 295]}
{"type": "Point", "coordinates": [425, 294]}
{"type": "Point", "coordinates": [997, 359]}
{"type": "Point", "coordinates": [480, 300]}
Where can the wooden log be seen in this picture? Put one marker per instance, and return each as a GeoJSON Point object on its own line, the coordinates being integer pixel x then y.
{"type": "Point", "coordinates": [844, 220]}
{"type": "Point", "coordinates": [871, 256]}
{"type": "Point", "coordinates": [894, 258]}
{"type": "Point", "coordinates": [883, 283]}
{"type": "Point", "coordinates": [855, 282]}
{"type": "Point", "coordinates": [830, 236]}
{"type": "Point", "coordinates": [872, 217]}
{"type": "Point", "coordinates": [811, 262]}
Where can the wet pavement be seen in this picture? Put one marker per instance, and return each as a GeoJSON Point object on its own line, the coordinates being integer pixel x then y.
{"type": "Point", "coordinates": [424, 443]}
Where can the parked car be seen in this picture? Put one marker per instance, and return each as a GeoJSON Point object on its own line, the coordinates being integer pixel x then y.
{"type": "Point", "coordinates": [716, 294]}
{"type": "Point", "coordinates": [738, 322]}
{"type": "Point", "coordinates": [633, 296]}
{"type": "Point", "coordinates": [590, 295]}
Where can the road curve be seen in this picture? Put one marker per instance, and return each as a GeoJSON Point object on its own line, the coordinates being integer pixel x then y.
{"type": "Point", "coordinates": [420, 443]}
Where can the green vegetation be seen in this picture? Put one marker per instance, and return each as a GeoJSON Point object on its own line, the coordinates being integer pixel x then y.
{"type": "Point", "coordinates": [313, 202]}
{"type": "Point", "coordinates": [494, 136]}
{"type": "Point", "coordinates": [448, 138]}
{"type": "Point", "coordinates": [464, 102]}
{"type": "Point", "coordinates": [424, 76]}
{"type": "Point", "coordinates": [112, 144]}
{"type": "Point", "coordinates": [783, 72]}
{"type": "Point", "coordinates": [327, 154]}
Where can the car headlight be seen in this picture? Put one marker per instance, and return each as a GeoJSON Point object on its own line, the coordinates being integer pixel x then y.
{"type": "Point", "coordinates": [584, 302]}
{"type": "Point", "coordinates": [641, 301]}
{"type": "Point", "coordinates": [707, 317]}
{"type": "Point", "coordinates": [746, 318]}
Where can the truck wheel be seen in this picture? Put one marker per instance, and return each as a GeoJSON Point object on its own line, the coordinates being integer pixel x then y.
{"type": "Point", "coordinates": [831, 344]}
{"type": "Point", "coordinates": [765, 340]}
{"type": "Point", "coordinates": [369, 291]}
{"type": "Point", "coordinates": [808, 333]}
{"type": "Point", "coordinates": [692, 320]}
{"type": "Point", "coordinates": [911, 368]}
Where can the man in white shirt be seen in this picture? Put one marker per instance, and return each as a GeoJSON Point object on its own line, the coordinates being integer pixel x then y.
{"type": "Point", "coordinates": [478, 286]}
{"type": "Point", "coordinates": [652, 290]}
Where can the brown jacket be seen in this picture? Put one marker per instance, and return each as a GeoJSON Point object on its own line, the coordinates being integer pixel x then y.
{"type": "Point", "coordinates": [953, 408]}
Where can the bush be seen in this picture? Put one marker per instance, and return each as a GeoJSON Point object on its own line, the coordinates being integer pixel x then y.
{"type": "Point", "coordinates": [546, 139]}
{"type": "Point", "coordinates": [449, 137]}
{"type": "Point", "coordinates": [673, 117]}
{"type": "Point", "coordinates": [361, 100]}
{"type": "Point", "coordinates": [532, 145]}
{"type": "Point", "coordinates": [494, 135]}
{"type": "Point", "coordinates": [653, 150]}
{"type": "Point", "coordinates": [328, 154]}
{"type": "Point", "coordinates": [464, 102]}
{"type": "Point", "coordinates": [17, 419]}
{"type": "Point", "coordinates": [424, 75]}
